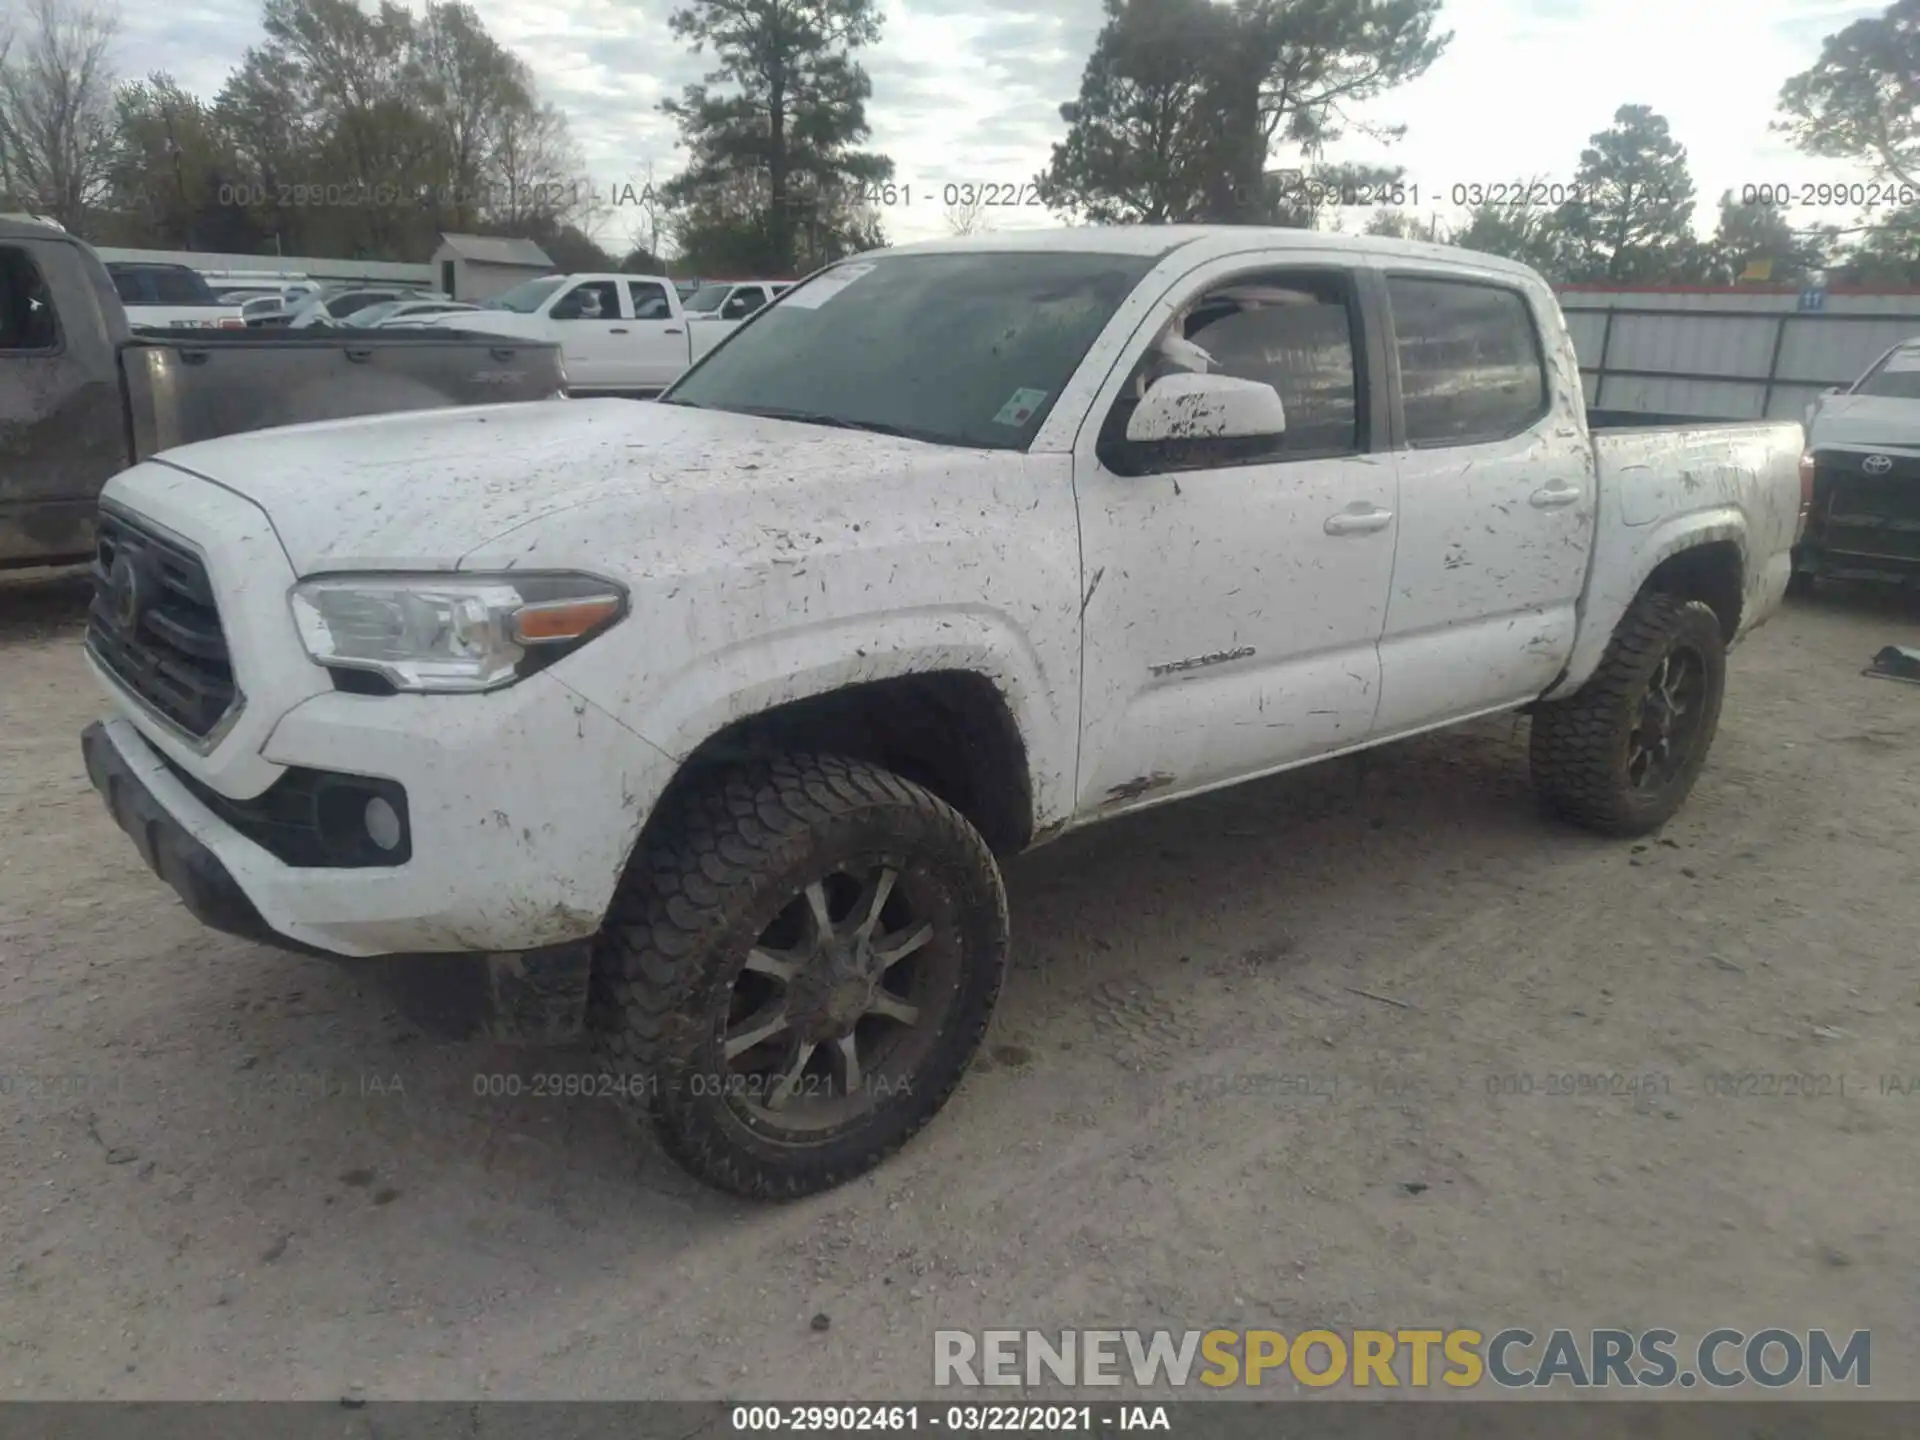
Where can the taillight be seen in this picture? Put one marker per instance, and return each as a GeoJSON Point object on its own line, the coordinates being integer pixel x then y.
{"type": "Point", "coordinates": [1807, 468]}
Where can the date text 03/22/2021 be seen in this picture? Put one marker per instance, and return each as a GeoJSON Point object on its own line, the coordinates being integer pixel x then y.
{"type": "Point", "coordinates": [995, 194]}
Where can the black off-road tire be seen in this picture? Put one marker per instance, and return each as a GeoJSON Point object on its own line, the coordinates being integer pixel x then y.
{"type": "Point", "coordinates": [695, 902]}
{"type": "Point", "coordinates": [1580, 746]}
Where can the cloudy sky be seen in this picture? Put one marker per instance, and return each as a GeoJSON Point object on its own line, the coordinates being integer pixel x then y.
{"type": "Point", "coordinates": [969, 90]}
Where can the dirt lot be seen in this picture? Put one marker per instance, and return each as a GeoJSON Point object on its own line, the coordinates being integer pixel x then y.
{"type": "Point", "coordinates": [228, 1172]}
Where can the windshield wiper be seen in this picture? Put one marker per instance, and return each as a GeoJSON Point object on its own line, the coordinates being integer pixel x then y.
{"type": "Point", "coordinates": [816, 417]}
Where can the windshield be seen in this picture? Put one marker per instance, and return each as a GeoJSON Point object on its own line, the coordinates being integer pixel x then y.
{"type": "Point", "coordinates": [967, 348]}
{"type": "Point", "coordinates": [707, 299]}
{"type": "Point", "coordinates": [374, 314]}
{"type": "Point", "coordinates": [1897, 377]}
{"type": "Point", "coordinates": [527, 298]}
{"type": "Point", "coordinates": [159, 285]}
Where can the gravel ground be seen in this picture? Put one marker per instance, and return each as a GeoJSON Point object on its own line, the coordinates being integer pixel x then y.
{"type": "Point", "coordinates": [229, 1172]}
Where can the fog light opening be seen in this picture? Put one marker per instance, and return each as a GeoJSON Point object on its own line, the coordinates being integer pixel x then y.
{"type": "Point", "coordinates": [383, 823]}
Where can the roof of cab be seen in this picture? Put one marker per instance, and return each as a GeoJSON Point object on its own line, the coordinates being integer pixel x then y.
{"type": "Point", "coordinates": [1204, 241]}
{"type": "Point", "coordinates": [14, 228]}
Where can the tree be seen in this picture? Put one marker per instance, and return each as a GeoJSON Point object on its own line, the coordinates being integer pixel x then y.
{"type": "Point", "coordinates": [56, 110]}
{"type": "Point", "coordinates": [1516, 232]}
{"type": "Point", "coordinates": [775, 176]}
{"type": "Point", "coordinates": [1631, 220]}
{"type": "Point", "coordinates": [965, 218]}
{"type": "Point", "coordinates": [1759, 237]}
{"type": "Point", "coordinates": [368, 132]}
{"type": "Point", "coordinates": [1886, 252]}
{"type": "Point", "coordinates": [468, 86]}
{"type": "Point", "coordinates": [1182, 101]}
{"type": "Point", "coordinates": [1149, 140]}
{"type": "Point", "coordinates": [175, 179]}
{"type": "Point", "coordinates": [1861, 100]}
{"type": "Point", "coordinates": [1400, 225]}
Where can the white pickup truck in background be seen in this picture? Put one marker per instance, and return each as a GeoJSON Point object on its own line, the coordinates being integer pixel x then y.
{"type": "Point", "coordinates": [703, 722]}
{"type": "Point", "coordinates": [620, 334]}
{"type": "Point", "coordinates": [171, 297]}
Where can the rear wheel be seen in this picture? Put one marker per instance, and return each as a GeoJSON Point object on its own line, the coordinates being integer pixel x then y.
{"type": "Point", "coordinates": [1622, 754]}
{"type": "Point", "coordinates": [800, 970]}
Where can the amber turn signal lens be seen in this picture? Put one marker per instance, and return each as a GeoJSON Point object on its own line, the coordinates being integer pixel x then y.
{"type": "Point", "coordinates": [563, 619]}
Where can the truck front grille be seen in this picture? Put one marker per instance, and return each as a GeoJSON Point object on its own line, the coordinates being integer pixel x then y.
{"type": "Point", "coordinates": [154, 625]}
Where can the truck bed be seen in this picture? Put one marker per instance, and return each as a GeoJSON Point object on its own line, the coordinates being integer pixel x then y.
{"type": "Point", "coordinates": [1683, 484]}
{"type": "Point", "coordinates": [188, 385]}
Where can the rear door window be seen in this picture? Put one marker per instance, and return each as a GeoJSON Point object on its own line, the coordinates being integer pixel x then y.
{"type": "Point", "coordinates": [650, 300]}
{"type": "Point", "coordinates": [27, 319]}
{"type": "Point", "coordinates": [1471, 366]}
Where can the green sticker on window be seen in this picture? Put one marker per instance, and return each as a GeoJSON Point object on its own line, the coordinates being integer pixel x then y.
{"type": "Point", "coordinates": [1019, 410]}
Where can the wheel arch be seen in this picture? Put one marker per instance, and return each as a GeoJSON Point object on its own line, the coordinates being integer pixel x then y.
{"type": "Point", "coordinates": [951, 730]}
{"type": "Point", "coordinates": [1702, 557]}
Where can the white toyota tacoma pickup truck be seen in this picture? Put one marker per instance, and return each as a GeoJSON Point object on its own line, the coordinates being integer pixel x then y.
{"type": "Point", "coordinates": [702, 724]}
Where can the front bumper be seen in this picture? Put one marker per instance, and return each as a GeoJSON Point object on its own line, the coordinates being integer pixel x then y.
{"type": "Point", "coordinates": [171, 850]}
{"type": "Point", "coordinates": [523, 806]}
{"type": "Point", "coordinates": [526, 996]}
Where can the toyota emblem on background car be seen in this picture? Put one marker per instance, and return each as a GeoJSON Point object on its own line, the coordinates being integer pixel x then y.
{"type": "Point", "coordinates": [123, 592]}
{"type": "Point", "coordinates": [1877, 464]}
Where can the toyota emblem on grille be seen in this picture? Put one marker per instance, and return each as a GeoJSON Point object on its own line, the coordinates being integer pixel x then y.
{"type": "Point", "coordinates": [1877, 464]}
{"type": "Point", "coordinates": [123, 592]}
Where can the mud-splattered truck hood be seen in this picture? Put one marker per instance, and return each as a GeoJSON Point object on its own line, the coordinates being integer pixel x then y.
{"type": "Point", "coordinates": [424, 490]}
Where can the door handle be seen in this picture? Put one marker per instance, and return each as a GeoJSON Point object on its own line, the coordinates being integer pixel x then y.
{"type": "Point", "coordinates": [1554, 495]}
{"type": "Point", "coordinates": [1358, 521]}
{"type": "Point", "coordinates": [671, 330]}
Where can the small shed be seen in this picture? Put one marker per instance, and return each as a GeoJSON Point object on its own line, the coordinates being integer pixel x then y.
{"type": "Point", "coordinates": [479, 267]}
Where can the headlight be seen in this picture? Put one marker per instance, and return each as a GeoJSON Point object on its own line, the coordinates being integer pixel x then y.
{"type": "Point", "coordinates": [452, 632]}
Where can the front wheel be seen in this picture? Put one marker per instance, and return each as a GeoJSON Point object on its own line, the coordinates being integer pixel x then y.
{"type": "Point", "coordinates": [1621, 755]}
{"type": "Point", "coordinates": [799, 969]}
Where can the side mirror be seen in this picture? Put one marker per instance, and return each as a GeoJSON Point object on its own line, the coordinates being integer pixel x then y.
{"type": "Point", "coordinates": [1207, 407]}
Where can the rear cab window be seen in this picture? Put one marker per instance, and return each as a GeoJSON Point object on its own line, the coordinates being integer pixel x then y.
{"type": "Point", "coordinates": [27, 319]}
{"type": "Point", "coordinates": [1472, 367]}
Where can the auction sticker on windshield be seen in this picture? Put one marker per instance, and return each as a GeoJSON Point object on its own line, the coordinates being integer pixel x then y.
{"type": "Point", "coordinates": [824, 287]}
{"type": "Point", "coordinates": [1019, 409]}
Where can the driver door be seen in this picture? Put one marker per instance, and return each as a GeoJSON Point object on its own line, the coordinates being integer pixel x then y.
{"type": "Point", "coordinates": [1236, 596]}
{"type": "Point", "coordinates": [591, 328]}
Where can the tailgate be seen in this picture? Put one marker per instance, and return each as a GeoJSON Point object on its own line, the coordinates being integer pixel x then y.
{"type": "Point", "coordinates": [181, 391]}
